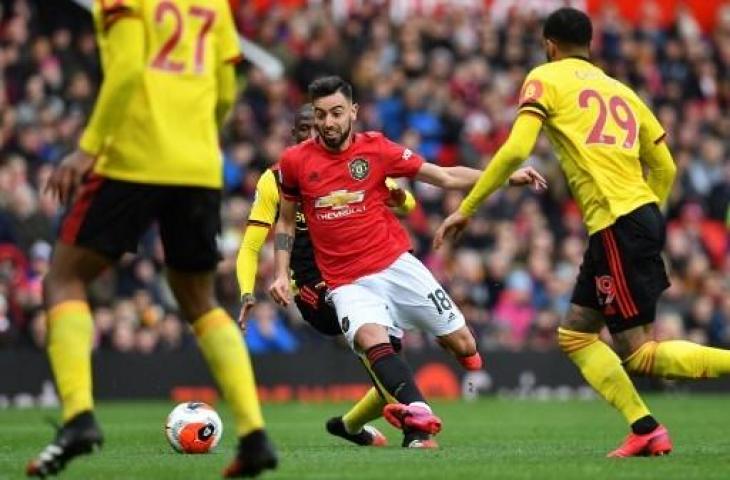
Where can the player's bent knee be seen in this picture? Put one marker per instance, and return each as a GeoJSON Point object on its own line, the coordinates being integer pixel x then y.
{"type": "Point", "coordinates": [60, 288]}
{"type": "Point", "coordinates": [194, 292]}
{"type": "Point", "coordinates": [582, 319]}
{"type": "Point", "coordinates": [369, 335]}
{"type": "Point", "coordinates": [72, 268]}
{"type": "Point", "coordinates": [571, 341]}
{"type": "Point", "coordinates": [641, 361]}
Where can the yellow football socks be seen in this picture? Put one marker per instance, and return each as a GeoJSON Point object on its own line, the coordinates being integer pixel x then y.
{"type": "Point", "coordinates": [70, 336]}
{"type": "Point", "coordinates": [223, 348]}
{"type": "Point", "coordinates": [679, 359]}
{"type": "Point", "coordinates": [602, 369]}
{"type": "Point", "coordinates": [367, 409]}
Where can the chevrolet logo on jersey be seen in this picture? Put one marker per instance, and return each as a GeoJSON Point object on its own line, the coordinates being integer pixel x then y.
{"type": "Point", "coordinates": [340, 199]}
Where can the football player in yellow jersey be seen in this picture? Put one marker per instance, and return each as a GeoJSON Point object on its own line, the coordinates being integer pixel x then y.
{"type": "Point", "coordinates": [603, 135]}
{"type": "Point", "coordinates": [311, 290]}
{"type": "Point", "coordinates": [149, 153]}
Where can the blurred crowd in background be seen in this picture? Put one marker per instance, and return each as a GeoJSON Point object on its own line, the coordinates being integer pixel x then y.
{"type": "Point", "coordinates": [444, 84]}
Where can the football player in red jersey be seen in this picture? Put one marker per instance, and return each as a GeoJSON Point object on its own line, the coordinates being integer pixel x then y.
{"type": "Point", "coordinates": [377, 287]}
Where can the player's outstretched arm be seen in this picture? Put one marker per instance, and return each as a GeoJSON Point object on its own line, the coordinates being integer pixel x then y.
{"type": "Point", "coordinates": [449, 178]}
{"type": "Point", "coordinates": [464, 178]}
{"type": "Point", "coordinates": [661, 168]}
{"type": "Point", "coordinates": [508, 158]}
{"type": "Point", "coordinates": [280, 289]}
{"type": "Point", "coordinates": [502, 168]}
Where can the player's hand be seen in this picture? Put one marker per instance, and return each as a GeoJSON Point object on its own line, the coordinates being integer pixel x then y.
{"type": "Point", "coordinates": [247, 303]}
{"type": "Point", "coordinates": [451, 228]}
{"type": "Point", "coordinates": [396, 197]}
{"type": "Point", "coordinates": [66, 178]}
{"type": "Point", "coordinates": [530, 177]}
{"type": "Point", "coordinates": [280, 291]}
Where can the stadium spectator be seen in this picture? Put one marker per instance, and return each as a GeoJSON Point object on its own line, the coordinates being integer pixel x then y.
{"type": "Point", "coordinates": [266, 331]}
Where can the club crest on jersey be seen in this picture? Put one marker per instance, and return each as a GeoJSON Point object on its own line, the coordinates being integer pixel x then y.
{"type": "Point", "coordinates": [531, 92]}
{"type": "Point", "coordinates": [359, 168]}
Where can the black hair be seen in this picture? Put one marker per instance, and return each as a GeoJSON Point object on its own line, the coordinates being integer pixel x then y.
{"type": "Point", "coordinates": [325, 86]}
{"type": "Point", "coordinates": [568, 26]}
{"type": "Point", "coordinates": [304, 111]}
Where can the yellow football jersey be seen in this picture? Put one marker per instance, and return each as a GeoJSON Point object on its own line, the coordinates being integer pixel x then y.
{"type": "Point", "coordinates": [168, 134]}
{"type": "Point", "coordinates": [598, 127]}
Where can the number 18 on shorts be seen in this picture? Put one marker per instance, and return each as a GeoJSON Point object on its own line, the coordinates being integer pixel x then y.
{"type": "Point", "coordinates": [404, 296]}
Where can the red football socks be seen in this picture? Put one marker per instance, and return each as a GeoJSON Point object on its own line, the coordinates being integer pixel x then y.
{"type": "Point", "coordinates": [472, 362]}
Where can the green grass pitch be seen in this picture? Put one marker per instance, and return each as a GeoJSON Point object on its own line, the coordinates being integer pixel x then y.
{"type": "Point", "coordinates": [487, 439]}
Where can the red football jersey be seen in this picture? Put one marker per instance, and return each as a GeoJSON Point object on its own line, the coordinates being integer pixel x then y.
{"type": "Point", "coordinates": [343, 197]}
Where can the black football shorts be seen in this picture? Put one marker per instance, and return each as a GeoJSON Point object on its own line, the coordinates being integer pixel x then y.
{"type": "Point", "coordinates": [316, 311]}
{"type": "Point", "coordinates": [623, 273]}
{"type": "Point", "coordinates": [109, 216]}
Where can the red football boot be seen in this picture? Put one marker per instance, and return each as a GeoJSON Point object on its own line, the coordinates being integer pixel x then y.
{"type": "Point", "coordinates": [654, 443]}
{"type": "Point", "coordinates": [412, 417]}
{"type": "Point", "coordinates": [472, 362]}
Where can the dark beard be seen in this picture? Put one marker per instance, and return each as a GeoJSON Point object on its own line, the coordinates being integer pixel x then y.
{"type": "Point", "coordinates": [336, 143]}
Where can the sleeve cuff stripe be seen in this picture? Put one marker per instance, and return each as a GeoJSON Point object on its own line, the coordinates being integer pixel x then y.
{"type": "Point", "coordinates": [533, 113]}
{"type": "Point", "coordinates": [258, 223]}
{"type": "Point", "coordinates": [661, 138]}
{"type": "Point", "coordinates": [535, 106]}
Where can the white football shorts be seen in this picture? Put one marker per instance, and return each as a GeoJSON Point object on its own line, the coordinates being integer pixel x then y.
{"type": "Point", "coordinates": [404, 296]}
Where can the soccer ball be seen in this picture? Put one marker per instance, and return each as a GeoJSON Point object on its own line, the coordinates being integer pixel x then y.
{"type": "Point", "coordinates": [193, 427]}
